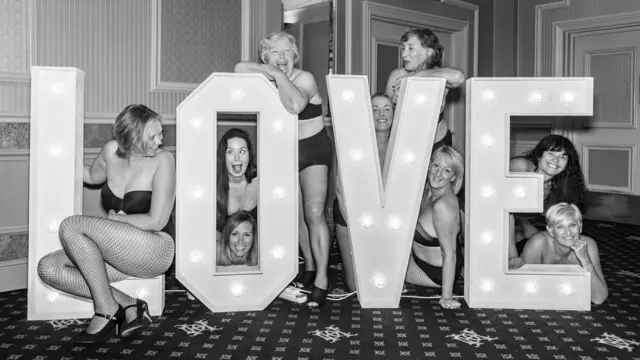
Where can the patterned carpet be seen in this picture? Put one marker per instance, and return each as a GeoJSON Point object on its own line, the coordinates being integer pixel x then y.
{"type": "Point", "coordinates": [419, 329]}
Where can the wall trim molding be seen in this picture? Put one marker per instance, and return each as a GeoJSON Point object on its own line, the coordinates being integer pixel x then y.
{"type": "Point", "coordinates": [386, 13]}
{"type": "Point", "coordinates": [15, 118]}
{"type": "Point", "coordinates": [631, 149]}
{"type": "Point", "coordinates": [156, 55]}
{"type": "Point", "coordinates": [476, 28]}
{"type": "Point", "coordinates": [348, 41]}
{"type": "Point", "coordinates": [540, 9]}
{"type": "Point", "coordinates": [307, 15]}
{"type": "Point", "coordinates": [13, 274]}
{"type": "Point", "coordinates": [13, 230]}
{"type": "Point", "coordinates": [245, 30]}
{"type": "Point", "coordinates": [564, 31]}
{"type": "Point", "coordinates": [25, 77]}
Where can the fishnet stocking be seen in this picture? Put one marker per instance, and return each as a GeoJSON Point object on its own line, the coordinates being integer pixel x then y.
{"type": "Point", "coordinates": [98, 251]}
{"type": "Point", "coordinates": [416, 276]}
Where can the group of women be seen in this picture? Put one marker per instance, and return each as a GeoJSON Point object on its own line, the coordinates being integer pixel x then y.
{"type": "Point", "coordinates": [136, 238]}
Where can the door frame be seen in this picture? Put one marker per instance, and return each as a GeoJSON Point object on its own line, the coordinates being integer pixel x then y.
{"type": "Point", "coordinates": [565, 34]}
{"type": "Point", "coordinates": [461, 41]}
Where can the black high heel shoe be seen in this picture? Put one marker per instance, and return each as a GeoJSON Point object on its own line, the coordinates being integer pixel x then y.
{"type": "Point", "coordinates": [318, 296]}
{"type": "Point", "coordinates": [115, 321]}
{"type": "Point", "coordinates": [142, 313]}
{"type": "Point", "coordinates": [306, 279]}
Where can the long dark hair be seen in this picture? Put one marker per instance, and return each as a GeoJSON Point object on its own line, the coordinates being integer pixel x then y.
{"type": "Point", "coordinates": [568, 186]}
{"type": "Point", "coordinates": [222, 176]}
{"type": "Point", "coordinates": [224, 256]}
{"type": "Point", "coordinates": [429, 40]}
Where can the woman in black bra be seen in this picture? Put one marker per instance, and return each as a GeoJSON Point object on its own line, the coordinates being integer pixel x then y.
{"type": "Point", "coordinates": [436, 256]}
{"type": "Point", "coordinates": [422, 56]}
{"type": "Point", "coordinates": [299, 95]}
{"type": "Point", "coordinates": [136, 237]}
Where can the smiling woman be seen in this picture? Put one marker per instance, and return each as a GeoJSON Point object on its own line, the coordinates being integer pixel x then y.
{"type": "Point", "coordinates": [299, 95]}
{"type": "Point", "coordinates": [563, 243]}
{"type": "Point", "coordinates": [238, 248]}
{"type": "Point", "coordinates": [557, 160]}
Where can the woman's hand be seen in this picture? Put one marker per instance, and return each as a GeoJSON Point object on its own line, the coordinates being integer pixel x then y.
{"type": "Point", "coordinates": [515, 263]}
{"type": "Point", "coordinates": [112, 215]}
{"type": "Point", "coordinates": [449, 303]}
{"type": "Point", "coordinates": [271, 72]}
{"type": "Point", "coordinates": [580, 248]}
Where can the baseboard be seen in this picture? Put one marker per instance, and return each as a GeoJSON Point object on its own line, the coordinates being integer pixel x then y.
{"type": "Point", "coordinates": [620, 208]}
{"type": "Point", "coordinates": [13, 275]}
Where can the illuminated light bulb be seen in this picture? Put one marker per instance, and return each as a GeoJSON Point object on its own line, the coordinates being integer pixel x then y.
{"type": "Point", "coordinates": [236, 94]}
{"type": "Point", "coordinates": [278, 125]}
{"type": "Point", "coordinates": [395, 223]}
{"type": "Point", "coordinates": [55, 151]}
{"type": "Point", "coordinates": [356, 154]}
{"type": "Point", "coordinates": [486, 286]}
{"type": "Point", "coordinates": [279, 193]}
{"type": "Point", "coordinates": [535, 97]}
{"type": "Point", "coordinates": [568, 97]}
{"type": "Point", "coordinates": [420, 99]}
{"type": "Point", "coordinates": [367, 221]}
{"type": "Point", "coordinates": [278, 252]}
{"type": "Point", "coordinates": [486, 237]}
{"type": "Point", "coordinates": [348, 96]}
{"type": "Point", "coordinates": [530, 288]}
{"type": "Point", "coordinates": [488, 96]}
{"type": "Point", "coordinates": [237, 289]}
{"type": "Point", "coordinates": [52, 296]}
{"type": "Point", "coordinates": [520, 192]}
{"type": "Point", "coordinates": [196, 257]}
{"type": "Point", "coordinates": [53, 226]}
{"type": "Point", "coordinates": [488, 141]}
{"type": "Point", "coordinates": [567, 289]}
{"type": "Point", "coordinates": [197, 192]}
{"type": "Point", "coordinates": [57, 89]}
{"type": "Point", "coordinates": [379, 281]}
{"type": "Point", "coordinates": [196, 122]}
{"type": "Point", "coordinates": [488, 192]}
{"type": "Point", "coordinates": [409, 158]}
{"type": "Point", "coordinates": [142, 293]}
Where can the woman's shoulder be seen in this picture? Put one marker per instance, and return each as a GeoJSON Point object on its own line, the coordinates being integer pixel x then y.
{"type": "Point", "coordinates": [447, 204]}
{"type": "Point", "coordinates": [301, 76]}
{"type": "Point", "coordinates": [521, 164]}
{"type": "Point", "coordinates": [397, 73]}
{"type": "Point", "coordinates": [109, 148]}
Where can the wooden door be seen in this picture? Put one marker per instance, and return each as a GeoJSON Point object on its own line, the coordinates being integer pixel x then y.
{"type": "Point", "coordinates": [607, 143]}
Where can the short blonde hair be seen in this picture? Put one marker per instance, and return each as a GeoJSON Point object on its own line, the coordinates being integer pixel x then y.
{"type": "Point", "coordinates": [265, 45]}
{"type": "Point", "coordinates": [562, 211]}
{"type": "Point", "coordinates": [457, 164]}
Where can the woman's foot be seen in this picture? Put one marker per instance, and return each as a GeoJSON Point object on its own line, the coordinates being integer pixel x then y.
{"type": "Point", "coordinates": [318, 297]}
{"type": "Point", "coordinates": [306, 279]}
{"type": "Point", "coordinates": [141, 309]}
{"type": "Point", "coordinates": [102, 327]}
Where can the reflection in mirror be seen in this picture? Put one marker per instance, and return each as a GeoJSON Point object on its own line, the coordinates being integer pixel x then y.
{"type": "Point", "coordinates": [237, 249]}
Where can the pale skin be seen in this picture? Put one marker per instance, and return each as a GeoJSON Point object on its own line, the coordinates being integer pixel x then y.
{"type": "Point", "coordinates": [415, 57]}
{"type": "Point", "coordinates": [382, 109]}
{"type": "Point", "coordinates": [550, 164]}
{"type": "Point", "coordinates": [562, 243]}
{"type": "Point", "coordinates": [297, 88]}
{"type": "Point", "coordinates": [440, 217]}
{"type": "Point", "coordinates": [154, 171]}
{"type": "Point", "coordinates": [243, 195]}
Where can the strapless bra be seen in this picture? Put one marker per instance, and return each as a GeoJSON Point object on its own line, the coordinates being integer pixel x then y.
{"type": "Point", "coordinates": [133, 202]}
